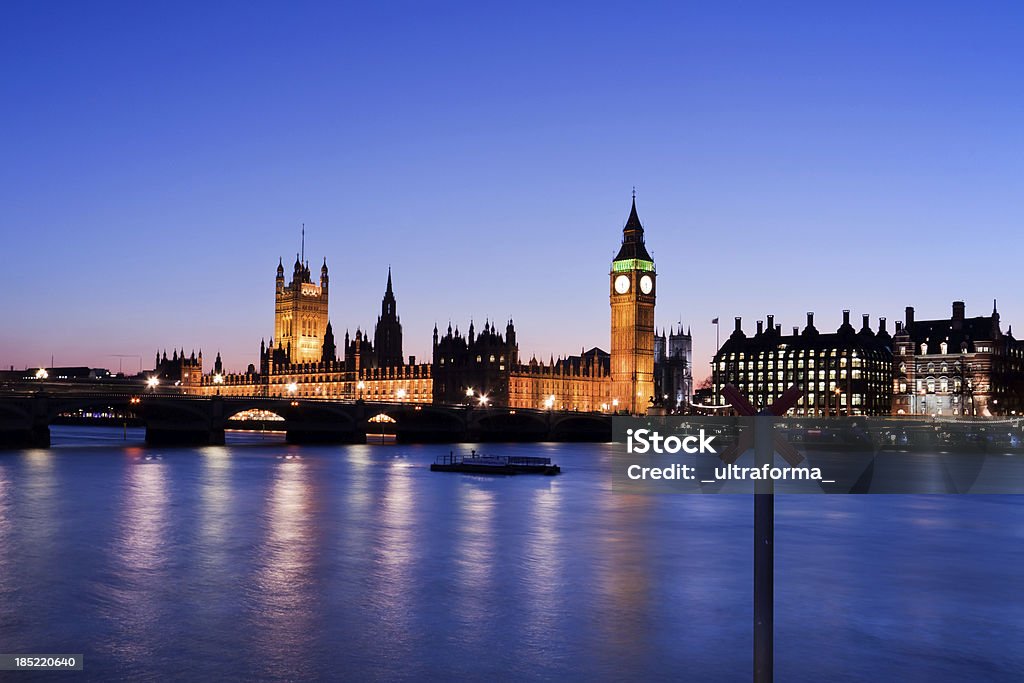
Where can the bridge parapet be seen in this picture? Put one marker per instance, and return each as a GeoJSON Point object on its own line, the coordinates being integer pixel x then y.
{"type": "Point", "coordinates": [200, 420]}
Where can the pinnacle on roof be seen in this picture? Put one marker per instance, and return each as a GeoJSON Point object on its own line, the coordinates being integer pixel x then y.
{"type": "Point", "coordinates": [633, 222]}
{"type": "Point", "coordinates": [633, 237]}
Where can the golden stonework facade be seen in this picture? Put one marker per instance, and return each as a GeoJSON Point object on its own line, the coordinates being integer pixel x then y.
{"type": "Point", "coordinates": [300, 312]}
{"type": "Point", "coordinates": [632, 292]}
{"type": "Point", "coordinates": [304, 361]}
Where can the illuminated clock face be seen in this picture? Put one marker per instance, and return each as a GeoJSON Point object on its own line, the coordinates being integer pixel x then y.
{"type": "Point", "coordinates": [622, 284]}
{"type": "Point", "coordinates": [646, 284]}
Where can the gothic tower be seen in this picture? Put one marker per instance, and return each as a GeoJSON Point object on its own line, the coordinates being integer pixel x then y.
{"type": "Point", "coordinates": [300, 313]}
{"type": "Point", "coordinates": [387, 336]}
{"type": "Point", "coordinates": [632, 293]}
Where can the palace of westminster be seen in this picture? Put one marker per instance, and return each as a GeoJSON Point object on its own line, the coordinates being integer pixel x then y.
{"type": "Point", "coordinates": [956, 366]}
{"type": "Point", "coordinates": [478, 367]}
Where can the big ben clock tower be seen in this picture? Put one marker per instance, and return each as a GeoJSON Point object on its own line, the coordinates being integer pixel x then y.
{"type": "Point", "coordinates": [632, 292]}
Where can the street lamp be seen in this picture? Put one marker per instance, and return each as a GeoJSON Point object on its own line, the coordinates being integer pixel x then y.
{"type": "Point", "coordinates": [41, 373]}
{"type": "Point", "coordinates": [292, 387]}
{"type": "Point", "coordinates": [470, 392]}
{"type": "Point", "coordinates": [483, 400]}
{"type": "Point", "coordinates": [152, 383]}
{"type": "Point", "coordinates": [400, 394]}
{"type": "Point", "coordinates": [218, 378]}
{"type": "Point", "coordinates": [549, 402]}
{"type": "Point", "coordinates": [360, 386]}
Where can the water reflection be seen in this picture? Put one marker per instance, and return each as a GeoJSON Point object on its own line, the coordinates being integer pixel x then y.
{"type": "Point", "coordinates": [544, 570]}
{"type": "Point", "coordinates": [7, 524]}
{"type": "Point", "coordinates": [394, 558]}
{"type": "Point", "coordinates": [241, 566]}
{"type": "Point", "coordinates": [141, 558]}
{"type": "Point", "coordinates": [144, 518]}
{"type": "Point", "coordinates": [40, 521]}
{"type": "Point", "coordinates": [623, 578]}
{"type": "Point", "coordinates": [215, 507]}
{"type": "Point", "coordinates": [284, 589]}
{"type": "Point", "coordinates": [475, 569]}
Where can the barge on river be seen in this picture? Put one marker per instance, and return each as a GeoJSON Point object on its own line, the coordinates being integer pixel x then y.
{"type": "Point", "coordinates": [478, 463]}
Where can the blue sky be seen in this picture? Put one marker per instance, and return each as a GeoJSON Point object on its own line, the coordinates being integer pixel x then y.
{"type": "Point", "coordinates": [158, 158]}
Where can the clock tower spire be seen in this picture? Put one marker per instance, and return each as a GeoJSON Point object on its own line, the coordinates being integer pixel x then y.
{"type": "Point", "coordinates": [632, 294]}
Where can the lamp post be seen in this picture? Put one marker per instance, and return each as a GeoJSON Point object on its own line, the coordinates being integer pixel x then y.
{"type": "Point", "coordinates": [360, 386]}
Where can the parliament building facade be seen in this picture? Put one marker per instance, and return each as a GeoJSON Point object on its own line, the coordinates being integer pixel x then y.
{"type": "Point", "coordinates": [479, 368]}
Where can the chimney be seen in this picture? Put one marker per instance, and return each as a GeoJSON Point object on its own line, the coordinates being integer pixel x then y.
{"type": "Point", "coordinates": [909, 317]}
{"type": "Point", "coordinates": [771, 322]}
{"type": "Point", "coordinates": [899, 326]}
{"type": "Point", "coordinates": [881, 324]}
{"type": "Point", "coordinates": [739, 324]}
{"type": "Point", "coordinates": [796, 331]}
{"type": "Point", "coordinates": [958, 310]}
{"type": "Point", "coordinates": [760, 327]}
{"type": "Point", "coordinates": [867, 324]}
{"type": "Point", "coordinates": [846, 316]}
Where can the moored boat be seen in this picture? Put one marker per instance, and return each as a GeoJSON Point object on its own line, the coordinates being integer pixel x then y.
{"type": "Point", "coordinates": [478, 463]}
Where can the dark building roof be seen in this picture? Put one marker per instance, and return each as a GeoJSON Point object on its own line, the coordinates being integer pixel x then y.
{"type": "Point", "coordinates": [574, 364]}
{"type": "Point", "coordinates": [846, 337]}
{"type": "Point", "coordinates": [937, 331]}
{"type": "Point", "coordinates": [633, 238]}
{"type": "Point", "coordinates": [958, 331]}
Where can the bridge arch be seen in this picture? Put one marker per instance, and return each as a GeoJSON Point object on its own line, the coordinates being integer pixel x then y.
{"type": "Point", "coordinates": [417, 423]}
{"type": "Point", "coordinates": [512, 425]}
{"type": "Point", "coordinates": [57, 406]}
{"type": "Point", "coordinates": [582, 427]}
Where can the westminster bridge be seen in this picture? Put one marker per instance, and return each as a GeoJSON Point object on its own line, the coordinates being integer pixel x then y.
{"type": "Point", "coordinates": [170, 419]}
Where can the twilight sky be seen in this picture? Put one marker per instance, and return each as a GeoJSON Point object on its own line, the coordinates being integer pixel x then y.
{"type": "Point", "coordinates": [158, 158]}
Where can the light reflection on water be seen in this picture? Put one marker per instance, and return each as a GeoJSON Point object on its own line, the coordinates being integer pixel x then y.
{"type": "Point", "coordinates": [139, 553]}
{"type": "Point", "coordinates": [474, 560]}
{"type": "Point", "coordinates": [7, 525]}
{"type": "Point", "coordinates": [282, 593]}
{"type": "Point", "coordinates": [358, 563]}
{"type": "Point", "coordinates": [543, 570]}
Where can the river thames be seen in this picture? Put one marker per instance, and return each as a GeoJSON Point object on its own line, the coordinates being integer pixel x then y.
{"type": "Point", "coordinates": [263, 561]}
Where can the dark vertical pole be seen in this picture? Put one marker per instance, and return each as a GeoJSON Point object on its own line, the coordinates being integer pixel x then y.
{"type": "Point", "coordinates": [764, 554]}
